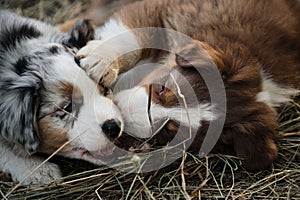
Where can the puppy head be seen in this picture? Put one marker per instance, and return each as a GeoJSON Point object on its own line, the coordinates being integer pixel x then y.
{"type": "Point", "coordinates": [75, 111]}
{"type": "Point", "coordinates": [53, 103]}
{"type": "Point", "coordinates": [178, 77]}
{"type": "Point", "coordinates": [49, 102]}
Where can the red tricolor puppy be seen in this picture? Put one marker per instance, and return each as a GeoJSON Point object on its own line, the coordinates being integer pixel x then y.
{"type": "Point", "coordinates": [254, 44]}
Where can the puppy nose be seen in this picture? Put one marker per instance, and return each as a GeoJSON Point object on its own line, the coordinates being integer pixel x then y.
{"type": "Point", "coordinates": [111, 128]}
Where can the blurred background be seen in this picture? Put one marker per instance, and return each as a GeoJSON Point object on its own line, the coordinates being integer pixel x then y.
{"type": "Point", "coordinates": [60, 11]}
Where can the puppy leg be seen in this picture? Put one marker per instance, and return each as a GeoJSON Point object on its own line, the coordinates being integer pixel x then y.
{"type": "Point", "coordinates": [118, 50]}
{"type": "Point", "coordinates": [20, 167]}
{"type": "Point", "coordinates": [253, 138]}
{"type": "Point", "coordinates": [99, 62]}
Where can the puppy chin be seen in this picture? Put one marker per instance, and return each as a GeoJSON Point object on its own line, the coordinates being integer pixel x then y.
{"type": "Point", "coordinates": [95, 156]}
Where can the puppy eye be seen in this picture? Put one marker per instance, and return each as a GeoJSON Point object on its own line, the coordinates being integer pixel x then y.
{"type": "Point", "coordinates": [77, 61]}
{"type": "Point", "coordinates": [159, 89]}
{"type": "Point", "coordinates": [162, 90]}
{"type": "Point", "coordinates": [64, 110]}
{"type": "Point", "coordinates": [68, 107]}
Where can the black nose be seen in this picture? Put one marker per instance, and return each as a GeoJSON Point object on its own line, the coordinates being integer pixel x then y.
{"type": "Point", "coordinates": [111, 128]}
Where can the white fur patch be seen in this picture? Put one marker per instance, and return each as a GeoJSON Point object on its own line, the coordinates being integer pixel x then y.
{"type": "Point", "coordinates": [133, 106]}
{"type": "Point", "coordinates": [274, 95]}
{"type": "Point", "coordinates": [120, 38]}
{"type": "Point", "coordinates": [96, 109]}
{"type": "Point", "coordinates": [110, 29]}
{"type": "Point", "coordinates": [21, 167]}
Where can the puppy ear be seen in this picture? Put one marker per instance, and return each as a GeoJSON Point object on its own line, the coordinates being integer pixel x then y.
{"type": "Point", "coordinates": [18, 107]}
{"type": "Point", "coordinates": [82, 32]}
{"type": "Point", "coordinates": [197, 54]}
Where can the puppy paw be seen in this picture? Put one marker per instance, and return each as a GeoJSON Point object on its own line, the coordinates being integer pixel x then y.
{"type": "Point", "coordinates": [253, 137]}
{"type": "Point", "coordinates": [100, 62]}
{"type": "Point", "coordinates": [260, 159]}
{"type": "Point", "coordinates": [46, 174]}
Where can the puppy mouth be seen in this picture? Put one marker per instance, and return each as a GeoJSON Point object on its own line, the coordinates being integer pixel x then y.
{"type": "Point", "coordinates": [131, 144]}
{"type": "Point", "coordinates": [125, 143]}
{"type": "Point", "coordinates": [107, 151]}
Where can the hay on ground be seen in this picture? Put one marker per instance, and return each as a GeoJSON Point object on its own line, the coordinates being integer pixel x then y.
{"type": "Point", "coordinates": [212, 177]}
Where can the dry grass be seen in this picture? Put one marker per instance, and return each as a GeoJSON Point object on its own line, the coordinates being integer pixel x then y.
{"type": "Point", "coordinates": [212, 177]}
{"type": "Point", "coordinates": [54, 11]}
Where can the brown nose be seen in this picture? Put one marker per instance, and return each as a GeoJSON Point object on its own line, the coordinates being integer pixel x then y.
{"type": "Point", "coordinates": [111, 128]}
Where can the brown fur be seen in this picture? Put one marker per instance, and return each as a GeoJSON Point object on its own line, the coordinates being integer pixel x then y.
{"type": "Point", "coordinates": [259, 27]}
{"type": "Point", "coordinates": [53, 137]}
{"type": "Point", "coordinates": [243, 38]}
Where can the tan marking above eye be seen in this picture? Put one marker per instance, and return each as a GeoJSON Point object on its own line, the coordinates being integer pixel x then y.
{"type": "Point", "coordinates": [71, 91]}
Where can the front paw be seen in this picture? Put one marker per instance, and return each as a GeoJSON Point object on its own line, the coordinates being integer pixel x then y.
{"type": "Point", "coordinates": [100, 62]}
{"type": "Point", "coordinates": [46, 174]}
{"type": "Point", "coordinates": [260, 158]}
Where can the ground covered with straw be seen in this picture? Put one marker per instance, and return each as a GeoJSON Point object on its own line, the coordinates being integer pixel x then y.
{"type": "Point", "coordinates": [212, 177]}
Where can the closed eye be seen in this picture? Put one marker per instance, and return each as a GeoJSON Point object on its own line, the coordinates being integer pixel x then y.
{"type": "Point", "coordinates": [159, 89]}
{"type": "Point", "coordinates": [65, 110]}
{"type": "Point", "coordinates": [68, 107]}
{"type": "Point", "coordinates": [77, 61]}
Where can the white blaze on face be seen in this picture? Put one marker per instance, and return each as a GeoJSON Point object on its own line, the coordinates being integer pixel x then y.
{"type": "Point", "coordinates": [96, 109]}
{"type": "Point", "coordinates": [133, 104]}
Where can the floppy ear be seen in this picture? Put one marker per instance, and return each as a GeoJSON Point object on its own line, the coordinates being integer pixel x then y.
{"type": "Point", "coordinates": [197, 54]}
{"type": "Point", "coordinates": [82, 32]}
{"type": "Point", "coordinates": [18, 107]}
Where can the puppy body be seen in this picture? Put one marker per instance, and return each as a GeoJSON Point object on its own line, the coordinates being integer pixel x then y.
{"type": "Point", "coordinates": [47, 100]}
{"type": "Point", "coordinates": [253, 43]}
